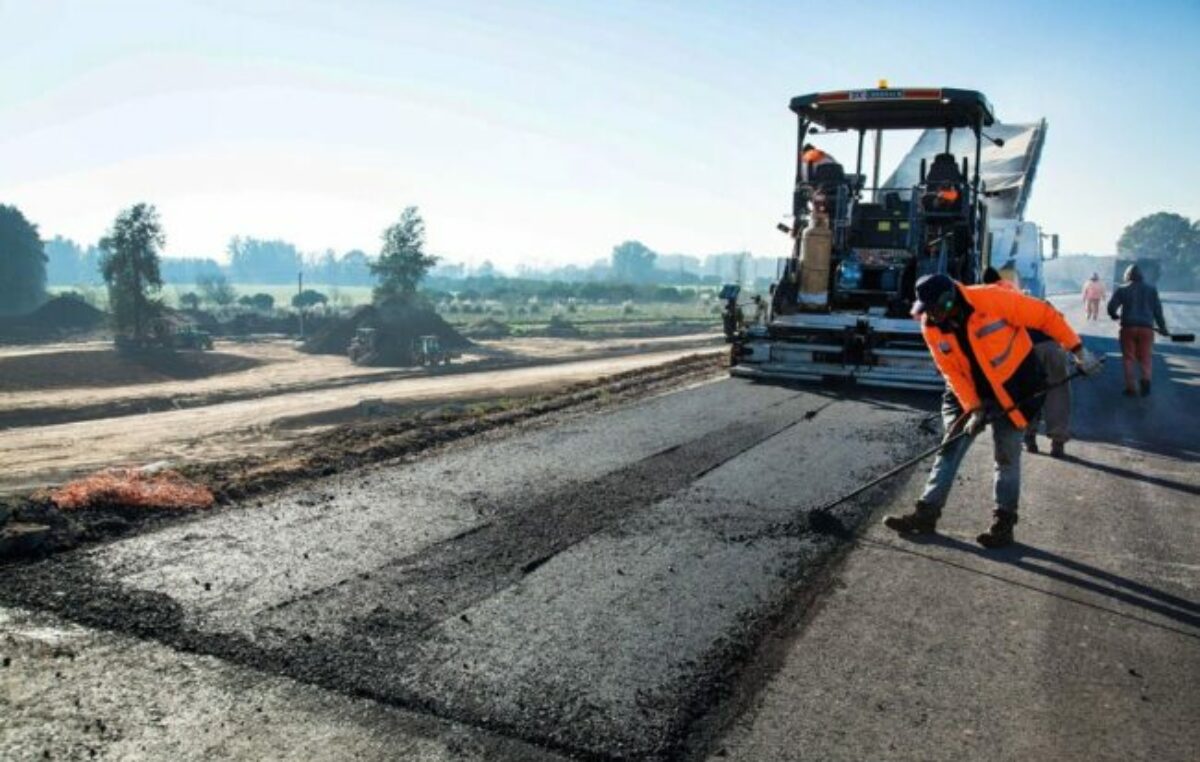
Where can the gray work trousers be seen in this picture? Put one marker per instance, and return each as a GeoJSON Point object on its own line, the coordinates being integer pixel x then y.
{"type": "Point", "coordinates": [1056, 412]}
{"type": "Point", "coordinates": [1006, 451]}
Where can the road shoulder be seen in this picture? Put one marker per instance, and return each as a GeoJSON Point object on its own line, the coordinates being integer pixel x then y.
{"type": "Point", "coordinates": [1082, 642]}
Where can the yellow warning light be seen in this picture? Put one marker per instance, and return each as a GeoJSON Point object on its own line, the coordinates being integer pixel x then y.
{"type": "Point", "coordinates": [883, 84]}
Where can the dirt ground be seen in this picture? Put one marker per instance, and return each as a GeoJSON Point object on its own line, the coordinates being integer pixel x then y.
{"type": "Point", "coordinates": [92, 368]}
{"type": "Point", "coordinates": [287, 397]}
{"type": "Point", "coordinates": [272, 366]}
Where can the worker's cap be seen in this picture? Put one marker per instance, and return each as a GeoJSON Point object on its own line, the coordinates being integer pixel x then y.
{"type": "Point", "coordinates": [932, 289]}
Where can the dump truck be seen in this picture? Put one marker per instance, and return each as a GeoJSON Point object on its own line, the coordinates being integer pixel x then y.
{"type": "Point", "coordinates": [841, 307]}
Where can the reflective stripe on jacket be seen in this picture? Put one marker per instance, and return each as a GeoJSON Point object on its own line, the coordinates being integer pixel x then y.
{"type": "Point", "coordinates": [1000, 342]}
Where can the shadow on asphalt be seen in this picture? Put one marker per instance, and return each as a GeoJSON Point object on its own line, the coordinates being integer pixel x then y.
{"type": "Point", "coordinates": [1164, 423]}
{"type": "Point", "coordinates": [1060, 569]}
{"type": "Point", "coordinates": [1125, 473]}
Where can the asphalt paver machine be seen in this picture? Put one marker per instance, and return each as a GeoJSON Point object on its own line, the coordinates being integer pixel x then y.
{"type": "Point", "coordinates": [841, 306]}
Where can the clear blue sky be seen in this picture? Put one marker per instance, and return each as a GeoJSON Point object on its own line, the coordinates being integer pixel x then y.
{"type": "Point", "coordinates": [546, 132]}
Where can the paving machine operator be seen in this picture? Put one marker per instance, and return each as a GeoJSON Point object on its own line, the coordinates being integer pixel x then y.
{"type": "Point", "coordinates": [979, 339]}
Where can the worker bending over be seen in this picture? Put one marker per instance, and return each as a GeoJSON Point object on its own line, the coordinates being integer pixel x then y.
{"type": "Point", "coordinates": [1137, 306]}
{"type": "Point", "coordinates": [979, 339]}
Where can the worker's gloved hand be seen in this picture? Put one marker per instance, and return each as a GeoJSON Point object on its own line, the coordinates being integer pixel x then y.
{"type": "Point", "coordinates": [976, 422]}
{"type": "Point", "coordinates": [1087, 361]}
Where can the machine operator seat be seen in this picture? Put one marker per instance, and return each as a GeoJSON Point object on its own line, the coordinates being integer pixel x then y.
{"type": "Point", "coordinates": [828, 188]}
{"type": "Point", "coordinates": [828, 175]}
{"type": "Point", "coordinates": [945, 193]}
{"type": "Point", "coordinates": [944, 169]}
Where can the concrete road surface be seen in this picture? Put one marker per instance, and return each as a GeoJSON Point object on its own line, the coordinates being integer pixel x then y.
{"type": "Point", "coordinates": [648, 583]}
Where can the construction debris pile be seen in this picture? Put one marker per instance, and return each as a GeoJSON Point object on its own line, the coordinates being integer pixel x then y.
{"type": "Point", "coordinates": [397, 326]}
{"type": "Point", "coordinates": [58, 318]}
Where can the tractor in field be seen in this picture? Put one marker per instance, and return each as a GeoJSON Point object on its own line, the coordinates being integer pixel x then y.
{"type": "Point", "coordinates": [362, 346]}
{"type": "Point", "coordinates": [427, 350]}
{"type": "Point", "coordinates": [166, 333]}
{"type": "Point", "coordinates": [190, 337]}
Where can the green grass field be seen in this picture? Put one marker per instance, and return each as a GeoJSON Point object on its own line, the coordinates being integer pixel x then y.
{"type": "Point", "coordinates": [518, 314]}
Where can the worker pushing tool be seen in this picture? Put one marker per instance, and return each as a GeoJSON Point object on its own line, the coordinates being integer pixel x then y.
{"type": "Point", "coordinates": [979, 339]}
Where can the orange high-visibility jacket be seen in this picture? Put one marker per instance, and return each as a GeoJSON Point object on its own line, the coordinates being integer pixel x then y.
{"type": "Point", "coordinates": [816, 156]}
{"type": "Point", "coordinates": [948, 195]}
{"type": "Point", "coordinates": [1001, 345]}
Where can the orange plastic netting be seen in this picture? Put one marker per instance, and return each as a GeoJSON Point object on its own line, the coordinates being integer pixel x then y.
{"type": "Point", "coordinates": [132, 486]}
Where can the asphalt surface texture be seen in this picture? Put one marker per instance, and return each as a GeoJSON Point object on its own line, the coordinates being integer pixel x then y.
{"type": "Point", "coordinates": [647, 583]}
{"type": "Point", "coordinates": [1080, 642]}
{"type": "Point", "coordinates": [591, 587]}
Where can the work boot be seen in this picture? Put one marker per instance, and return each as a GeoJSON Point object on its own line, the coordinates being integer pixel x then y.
{"type": "Point", "coordinates": [1000, 534]}
{"type": "Point", "coordinates": [1058, 449]}
{"type": "Point", "coordinates": [1031, 445]}
{"type": "Point", "coordinates": [923, 520]}
{"type": "Point", "coordinates": [1145, 387]}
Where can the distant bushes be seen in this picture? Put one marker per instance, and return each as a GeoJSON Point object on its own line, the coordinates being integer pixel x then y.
{"type": "Point", "coordinates": [524, 290]}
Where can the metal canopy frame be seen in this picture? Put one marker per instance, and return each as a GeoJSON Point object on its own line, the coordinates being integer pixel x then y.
{"type": "Point", "coordinates": [882, 109]}
{"type": "Point", "coordinates": [895, 109]}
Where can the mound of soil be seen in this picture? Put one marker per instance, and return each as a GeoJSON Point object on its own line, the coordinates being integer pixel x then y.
{"type": "Point", "coordinates": [561, 328]}
{"type": "Point", "coordinates": [69, 313]}
{"type": "Point", "coordinates": [254, 322]}
{"type": "Point", "coordinates": [60, 317]}
{"type": "Point", "coordinates": [489, 328]}
{"type": "Point", "coordinates": [201, 319]}
{"type": "Point", "coordinates": [106, 367]}
{"type": "Point", "coordinates": [396, 326]}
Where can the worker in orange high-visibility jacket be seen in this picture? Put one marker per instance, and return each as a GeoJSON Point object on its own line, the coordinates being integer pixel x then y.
{"type": "Point", "coordinates": [947, 197]}
{"type": "Point", "coordinates": [812, 157]}
{"type": "Point", "coordinates": [979, 339]}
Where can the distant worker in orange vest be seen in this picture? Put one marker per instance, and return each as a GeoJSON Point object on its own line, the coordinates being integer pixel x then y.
{"type": "Point", "coordinates": [812, 157]}
{"type": "Point", "coordinates": [979, 339]}
{"type": "Point", "coordinates": [1093, 294]}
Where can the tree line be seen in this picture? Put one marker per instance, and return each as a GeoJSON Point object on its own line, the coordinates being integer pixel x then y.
{"type": "Point", "coordinates": [251, 260]}
{"type": "Point", "coordinates": [1173, 240]}
{"type": "Point", "coordinates": [129, 260]}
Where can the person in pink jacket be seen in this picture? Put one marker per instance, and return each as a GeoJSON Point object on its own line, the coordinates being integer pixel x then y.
{"type": "Point", "coordinates": [1093, 294]}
